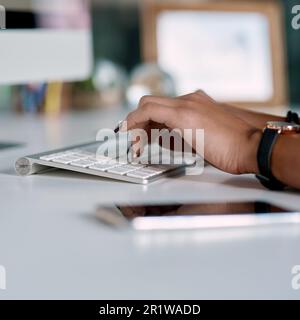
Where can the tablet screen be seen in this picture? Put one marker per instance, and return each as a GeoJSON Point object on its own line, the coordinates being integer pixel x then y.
{"type": "Point", "coordinates": [199, 209]}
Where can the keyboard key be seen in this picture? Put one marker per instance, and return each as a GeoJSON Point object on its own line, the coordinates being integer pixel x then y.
{"type": "Point", "coordinates": [102, 167]}
{"type": "Point", "coordinates": [155, 170]}
{"type": "Point", "coordinates": [117, 161]}
{"type": "Point", "coordinates": [80, 156]}
{"type": "Point", "coordinates": [65, 160]}
{"type": "Point", "coordinates": [141, 174]}
{"type": "Point", "coordinates": [137, 166]}
{"type": "Point", "coordinates": [135, 162]}
{"type": "Point", "coordinates": [122, 170]}
{"type": "Point", "coordinates": [50, 157]}
{"type": "Point", "coordinates": [152, 172]}
{"type": "Point", "coordinates": [100, 156]}
{"type": "Point", "coordinates": [83, 163]}
{"type": "Point", "coordinates": [101, 160]}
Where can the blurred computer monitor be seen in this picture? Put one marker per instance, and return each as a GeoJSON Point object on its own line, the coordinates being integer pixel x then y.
{"type": "Point", "coordinates": [45, 41]}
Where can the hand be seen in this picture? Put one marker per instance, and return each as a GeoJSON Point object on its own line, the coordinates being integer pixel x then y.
{"type": "Point", "coordinates": [231, 143]}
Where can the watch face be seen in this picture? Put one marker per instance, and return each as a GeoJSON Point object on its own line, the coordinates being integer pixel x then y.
{"type": "Point", "coordinates": [283, 126]}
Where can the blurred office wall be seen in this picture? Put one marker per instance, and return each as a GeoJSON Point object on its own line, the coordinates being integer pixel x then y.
{"type": "Point", "coordinates": [293, 51]}
{"type": "Point", "coordinates": [117, 37]}
{"type": "Point", "coordinates": [116, 29]}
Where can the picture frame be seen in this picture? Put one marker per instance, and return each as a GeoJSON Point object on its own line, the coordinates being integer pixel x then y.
{"type": "Point", "coordinates": [269, 10]}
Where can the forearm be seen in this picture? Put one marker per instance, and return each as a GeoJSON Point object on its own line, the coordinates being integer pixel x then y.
{"type": "Point", "coordinates": [285, 162]}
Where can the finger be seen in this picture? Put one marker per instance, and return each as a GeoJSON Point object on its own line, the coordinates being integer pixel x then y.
{"type": "Point", "coordinates": [166, 101]}
{"type": "Point", "coordinates": [140, 138]}
{"type": "Point", "coordinates": [202, 93]}
{"type": "Point", "coordinates": [173, 102]}
{"type": "Point", "coordinates": [197, 96]}
{"type": "Point", "coordinates": [133, 212]}
{"type": "Point", "coordinates": [137, 147]}
{"type": "Point", "coordinates": [150, 112]}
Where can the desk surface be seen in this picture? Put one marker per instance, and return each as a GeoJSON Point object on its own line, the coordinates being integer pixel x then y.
{"type": "Point", "coordinates": [52, 246]}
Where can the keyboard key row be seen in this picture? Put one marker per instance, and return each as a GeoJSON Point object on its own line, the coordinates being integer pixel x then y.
{"type": "Point", "coordinates": [77, 155]}
{"type": "Point", "coordinates": [134, 171]}
{"type": "Point", "coordinates": [106, 164]}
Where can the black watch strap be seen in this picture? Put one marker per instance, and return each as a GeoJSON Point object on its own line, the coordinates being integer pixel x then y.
{"type": "Point", "coordinates": [292, 117]}
{"type": "Point", "coordinates": [264, 155]}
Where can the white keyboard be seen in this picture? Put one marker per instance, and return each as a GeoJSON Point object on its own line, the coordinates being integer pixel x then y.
{"type": "Point", "coordinates": [83, 159]}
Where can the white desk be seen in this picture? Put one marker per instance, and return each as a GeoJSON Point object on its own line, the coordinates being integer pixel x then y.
{"type": "Point", "coordinates": [52, 246]}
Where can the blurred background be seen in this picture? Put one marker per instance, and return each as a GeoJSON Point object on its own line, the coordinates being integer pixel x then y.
{"type": "Point", "coordinates": [120, 75]}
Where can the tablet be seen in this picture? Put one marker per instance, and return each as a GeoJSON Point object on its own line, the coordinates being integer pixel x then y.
{"type": "Point", "coordinates": [176, 216]}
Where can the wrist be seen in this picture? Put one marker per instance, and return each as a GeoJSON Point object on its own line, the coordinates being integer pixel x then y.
{"type": "Point", "coordinates": [253, 141]}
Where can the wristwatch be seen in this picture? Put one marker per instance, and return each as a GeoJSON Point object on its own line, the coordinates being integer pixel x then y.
{"type": "Point", "coordinates": [264, 153]}
{"type": "Point", "coordinates": [292, 117]}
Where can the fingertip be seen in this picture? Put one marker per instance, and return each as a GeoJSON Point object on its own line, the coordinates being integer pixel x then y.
{"type": "Point", "coordinates": [124, 126]}
{"type": "Point", "coordinates": [136, 155]}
